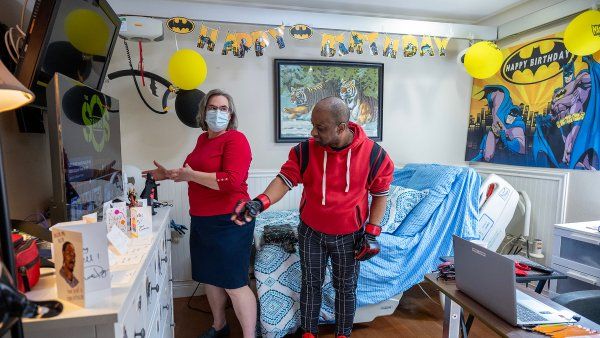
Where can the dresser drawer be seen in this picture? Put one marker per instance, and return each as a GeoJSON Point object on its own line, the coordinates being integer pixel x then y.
{"type": "Point", "coordinates": [133, 323]}
{"type": "Point", "coordinates": [580, 248]}
{"type": "Point", "coordinates": [577, 281]}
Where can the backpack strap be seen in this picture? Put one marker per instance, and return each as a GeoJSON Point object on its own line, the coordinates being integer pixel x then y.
{"type": "Point", "coordinates": [301, 150]}
{"type": "Point", "coordinates": [376, 159]}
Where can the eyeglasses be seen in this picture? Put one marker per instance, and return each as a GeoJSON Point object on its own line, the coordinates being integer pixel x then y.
{"type": "Point", "coordinates": [224, 109]}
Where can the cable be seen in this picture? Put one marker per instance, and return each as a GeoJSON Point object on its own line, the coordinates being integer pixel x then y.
{"type": "Point", "coordinates": [426, 294]}
{"type": "Point", "coordinates": [199, 309]}
{"type": "Point", "coordinates": [137, 87]}
{"type": "Point", "coordinates": [14, 46]}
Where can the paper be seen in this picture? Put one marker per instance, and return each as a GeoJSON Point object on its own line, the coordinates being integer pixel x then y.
{"type": "Point", "coordinates": [90, 218]}
{"type": "Point", "coordinates": [141, 221]}
{"type": "Point", "coordinates": [115, 215]}
{"type": "Point", "coordinates": [81, 258]}
{"type": "Point", "coordinates": [118, 241]}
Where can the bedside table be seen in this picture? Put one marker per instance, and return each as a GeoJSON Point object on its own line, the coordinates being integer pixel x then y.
{"type": "Point", "coordinates": [576, 253]}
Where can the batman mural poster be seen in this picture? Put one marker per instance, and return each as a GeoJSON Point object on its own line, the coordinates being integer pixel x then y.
{"type": "Point", "coordinates": [541, 109]}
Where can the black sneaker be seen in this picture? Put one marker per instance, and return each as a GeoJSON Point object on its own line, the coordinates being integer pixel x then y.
{"type": "Point", "coordinates": [210, 333]}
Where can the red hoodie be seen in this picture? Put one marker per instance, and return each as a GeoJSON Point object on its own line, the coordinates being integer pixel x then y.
{"type": "Point", "coordinates": [337, 183]}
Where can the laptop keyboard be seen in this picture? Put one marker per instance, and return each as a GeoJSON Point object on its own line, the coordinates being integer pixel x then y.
{"type": "Point", "coordinates": [526, 315]}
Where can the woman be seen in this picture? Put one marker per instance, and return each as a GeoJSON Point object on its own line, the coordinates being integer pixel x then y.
{"type": "Point", "coordinates": [216, 172]}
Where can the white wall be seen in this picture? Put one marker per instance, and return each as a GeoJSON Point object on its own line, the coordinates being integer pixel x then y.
{"type": "Point", "coordinates": [426, 102]}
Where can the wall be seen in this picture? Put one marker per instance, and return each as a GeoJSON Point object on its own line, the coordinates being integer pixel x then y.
{"type": "Point", "coordinates": [422, 97]}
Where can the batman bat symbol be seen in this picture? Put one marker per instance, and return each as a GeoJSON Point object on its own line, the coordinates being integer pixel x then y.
{"type": "Point", "coordinates": [301, 32]}
{"type": "Point", "coordinates": [180, 25]}
{"type": "Point", "coordinates": [515, 62]}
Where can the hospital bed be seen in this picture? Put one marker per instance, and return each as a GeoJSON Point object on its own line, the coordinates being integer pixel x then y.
{"type": "Point", "coordinates": [474, 210]}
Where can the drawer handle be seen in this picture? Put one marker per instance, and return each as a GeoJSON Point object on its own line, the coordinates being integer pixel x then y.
{"type": "Point", "coordinates": [581, 277]}
{"type": "Point", "coordinates": [164, 259]}
{"type": "Point", "coordinates": [141, 334]}
{"type": "Point", "coordinates": [166, 307]}
{"type": "Point", "coordinates": [155, 288]}
{"type": "Point", "coordinates": [169, 240]}
{"type": "Point", "coordinates": [140, 303]}
{"type": "Point", "coordinates": [586, 239]}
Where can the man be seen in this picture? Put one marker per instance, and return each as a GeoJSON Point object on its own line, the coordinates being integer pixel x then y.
{"type": "Point", "coordinates": [66, 271]}
{"type": "Point", "coordinates": [338, 167]}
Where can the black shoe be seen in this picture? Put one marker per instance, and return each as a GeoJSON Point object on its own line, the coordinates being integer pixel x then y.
{"type": "Point", "coordinates": [210, 333]}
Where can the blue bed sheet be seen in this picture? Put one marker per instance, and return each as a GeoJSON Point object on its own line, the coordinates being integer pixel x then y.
{"type": "Point", "coordinates": [406, 256]}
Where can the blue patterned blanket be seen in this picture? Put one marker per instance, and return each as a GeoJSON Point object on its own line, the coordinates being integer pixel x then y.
{"type": "Point", "coordinates": [407, 255]}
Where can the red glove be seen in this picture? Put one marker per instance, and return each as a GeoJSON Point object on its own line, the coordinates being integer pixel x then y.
{"type": "Point", "coordinates": [246, 211]}
{"type": "Point", "coordinates": [367, 246]}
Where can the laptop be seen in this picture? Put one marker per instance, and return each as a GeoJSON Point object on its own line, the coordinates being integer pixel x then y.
{"type": "Point", "coordinates": [489, 278]}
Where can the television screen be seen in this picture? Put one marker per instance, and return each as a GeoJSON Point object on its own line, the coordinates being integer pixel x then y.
{"type": "Point", "coordinates": [71, 37]}
{"type": "Point", "coordinates": [85, 148]}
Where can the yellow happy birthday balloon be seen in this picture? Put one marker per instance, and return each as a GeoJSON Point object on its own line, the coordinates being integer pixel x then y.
{"type": "Point", "coordinates": [187, 69]}
{"type": "Point", "coordinates": [582, 36]}
{"type": "Point", "coordinates": [87, 32]}
{"type": "Point", "coordinates": [483, 60]}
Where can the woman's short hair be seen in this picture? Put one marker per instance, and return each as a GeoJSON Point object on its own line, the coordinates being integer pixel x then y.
{"type": "Point", "coordinates": [202, 109]}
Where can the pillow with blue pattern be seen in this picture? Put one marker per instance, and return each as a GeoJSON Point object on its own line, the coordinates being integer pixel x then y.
{"type": "Point", "coordinates": [399, 204]}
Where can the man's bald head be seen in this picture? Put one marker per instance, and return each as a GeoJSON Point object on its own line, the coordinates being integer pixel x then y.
{"type": "Point", "coordinates": [334, 108]}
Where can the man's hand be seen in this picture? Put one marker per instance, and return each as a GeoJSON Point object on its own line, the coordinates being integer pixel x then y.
{"type": "Point", "coordinates": [246, 211]}
{"type": "Point", "coordinates": [159, 174]}
{"type": "Point", "coordinates": [181, 174]}
{"type": "Point", "coordinates": [367, 246]}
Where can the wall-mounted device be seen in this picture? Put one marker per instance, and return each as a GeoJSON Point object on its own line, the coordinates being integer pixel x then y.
{"type": "Point", "coordinates": [140, 28]}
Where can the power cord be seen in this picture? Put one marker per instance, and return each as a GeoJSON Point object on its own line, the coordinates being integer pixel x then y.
{"type": "Point", "coordinates": [426, 294]}
{"type": "Point", "coordinates": [189, 303]}
{"type": "Point", "coordinates": [15, 46]}
{"type": "Point", "coordinates": [137, 87]}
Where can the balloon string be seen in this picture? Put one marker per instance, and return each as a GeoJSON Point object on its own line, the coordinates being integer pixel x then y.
{"type": "Point", "coordinates": [176, 45]}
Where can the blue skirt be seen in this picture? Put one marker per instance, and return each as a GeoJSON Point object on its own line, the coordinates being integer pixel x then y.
{"type": "Point", "coordinates": [220, 251]}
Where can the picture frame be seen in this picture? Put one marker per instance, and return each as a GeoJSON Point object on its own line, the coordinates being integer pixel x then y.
{"type": "Point", "coordinates": [300, 84]}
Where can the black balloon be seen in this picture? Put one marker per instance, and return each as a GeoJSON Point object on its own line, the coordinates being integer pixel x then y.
{"type": "Point", "coordinates": [62, 57]}
{"type": "Point", "coordinates": [186, 106]}
{"type": "Point", "coordinates": [76, 98]}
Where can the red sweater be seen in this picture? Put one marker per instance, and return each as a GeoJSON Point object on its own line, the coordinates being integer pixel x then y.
{"type": "Point", "coordinates": [337, 183]}
{"type": "Point", "coordinates": [229, 156]}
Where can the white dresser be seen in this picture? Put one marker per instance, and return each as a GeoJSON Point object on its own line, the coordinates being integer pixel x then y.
{"type": "Point", "coordinates": [576, 253]}
{"type": "Point", "coordinates": [138, 305]}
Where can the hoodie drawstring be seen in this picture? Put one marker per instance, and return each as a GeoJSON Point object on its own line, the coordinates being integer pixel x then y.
{"type": "Point", "coordinates": [348, 170]}
{"type": "Point", "coordinates": [323, 184]}
{"type": "Point", "coordinates": [324, 180]}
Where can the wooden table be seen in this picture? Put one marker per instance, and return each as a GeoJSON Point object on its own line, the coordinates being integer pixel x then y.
{"type": "Point", "coordinates": [455, 301]}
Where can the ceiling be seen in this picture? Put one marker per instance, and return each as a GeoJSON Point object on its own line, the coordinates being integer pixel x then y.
{"type": "Point", "coordinates": [458, 11]}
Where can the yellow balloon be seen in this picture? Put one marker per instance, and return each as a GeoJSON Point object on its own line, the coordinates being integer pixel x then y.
{"type": "Point", "coordinates": [483, 60]}
{"type": "Point", "coordinates": [187, 69]}
{"type": "Point", "coordinates": [582, 36]}
{"type": "Point", "coordinates": [87, 31]}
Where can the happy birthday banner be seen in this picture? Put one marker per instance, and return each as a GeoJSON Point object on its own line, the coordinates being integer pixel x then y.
{"type": "Point", "coordinates": [341, 44]}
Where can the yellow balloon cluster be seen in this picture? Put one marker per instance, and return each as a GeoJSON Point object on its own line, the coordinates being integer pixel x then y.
{"type": "Point", "coordinates": [187, 69]}
{"type": "Point", "coordinates": [483, 60]}
{"type": "Point", "coordinates": [582, 36]}
{"type": "Point", "coordinates": [87, 31]}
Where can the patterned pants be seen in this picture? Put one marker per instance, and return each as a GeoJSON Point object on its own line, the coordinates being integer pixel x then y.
{"type": "Point", "coordinates": [315, 249]}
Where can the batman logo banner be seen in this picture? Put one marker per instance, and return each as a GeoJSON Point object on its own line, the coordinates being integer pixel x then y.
{"type": "Point", "coordinates": [536, 62]}
{"type": "Point", "coordinates": [301, 32]}
{"type": "Point", "coordinates": [180, 25]}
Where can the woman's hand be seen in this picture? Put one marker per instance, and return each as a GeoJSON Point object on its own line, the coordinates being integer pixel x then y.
{"type": "Point", "coordinates": [159, 174]}
{"type": "Point", "coordinates": [182, 174]}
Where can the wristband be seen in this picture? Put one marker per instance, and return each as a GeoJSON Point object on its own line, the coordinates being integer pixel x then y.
{"type": "Point", "coordinates": [265, 200]}
{"type": "Point", "coordinates": [373, 229]}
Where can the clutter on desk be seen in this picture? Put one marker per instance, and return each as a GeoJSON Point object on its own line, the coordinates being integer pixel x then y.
{"type": "Point", "coordinates": [115, 215]}
{"type": "Point", "coordinates": [446, 271]}
{"type": "Point", "coordinates": [14, 304]}
{"type": "Point", "coordinates": [565, 330]}
{"type": "Point", "coordinates": [81, 259]}
{"type": "Point", "coordinates": [27, 261]}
